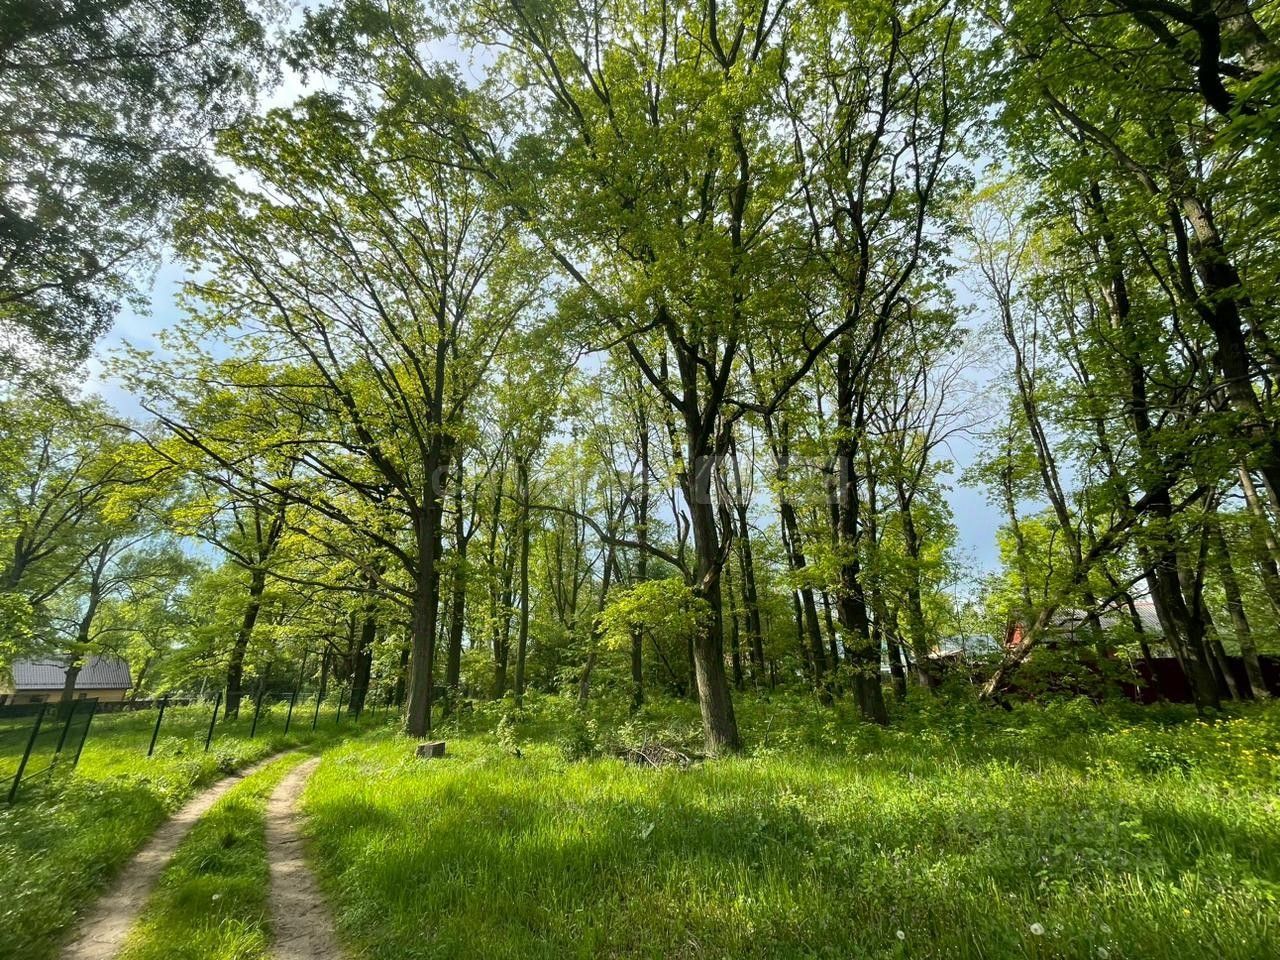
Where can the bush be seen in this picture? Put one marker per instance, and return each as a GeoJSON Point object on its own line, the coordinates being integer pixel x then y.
{"type": "Point", "coordinates": [1159, 758]}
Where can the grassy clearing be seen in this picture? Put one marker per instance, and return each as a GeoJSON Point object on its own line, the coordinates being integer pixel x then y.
{"type": "Point", "coordinates": [68, 834]}
{"type": "Point", "coordinates": [212, 898]}
{"type": "Point", "coordinates": [959, 832]}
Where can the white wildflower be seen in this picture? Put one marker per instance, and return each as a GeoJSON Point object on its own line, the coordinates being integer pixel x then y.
{"type": "Point", "coordinates": [1037, 929]}
{"type": "Point", "coordinates": [902, 935]}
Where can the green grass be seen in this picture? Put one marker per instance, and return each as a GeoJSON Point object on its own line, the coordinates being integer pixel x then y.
{"type": "Point", "coordinates": [958, 832]}
{"type": "Point", "coordinates": [212, 899]}
{"type": "Point", "coordinates": [69, 833]}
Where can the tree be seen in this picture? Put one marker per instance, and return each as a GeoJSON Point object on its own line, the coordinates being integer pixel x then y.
{"type": "Point", "coordinates": [60, 465]}
{"type": "Point", "coordinates": [108, 107]}
{"type": "Point", "coordinates": [375, 263]}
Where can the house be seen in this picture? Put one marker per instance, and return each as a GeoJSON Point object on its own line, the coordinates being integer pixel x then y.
{"type": "Point", "coordinates": [103, 677]}
{"type": "Point", "coordinates": [1072, 626]}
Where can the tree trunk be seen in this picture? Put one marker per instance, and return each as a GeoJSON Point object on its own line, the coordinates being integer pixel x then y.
{"type": "Point", "coordinates": [522, 640]}
{"type": "Point", "coordinates": [84, 628]}
{"type": "Point", "coordinates": [1239, 620]}
{"type": "Point", "coordinates": [235, 668]}
{"type": "Point", "coordinates": [829, 620]}
{"type": "Point", "coordinates": [735, 642]}
{"type": "Point", "coordinates": [811, 630]}
{"type": "Point", "coordinates": [642, 555]}
{"type": "Point", "coordinates": [897, 669]}
{"type": "Point", "coordinates": [750, 599]}
{"type": "Point", "coordinates": [1266, 548]}
{"type": "Point", "coordinates": [500, 596]}
{"type": "Point", "coordinates": [719, 725]}
{"type": "Point", "coordinates": [850, 603]}
{"type": "Point", "coordinates": [606, 579]}
{"type": "Point", "coordinates": [402, 675]}
{"type": "Point", "coordinates": [457, 603]}
{"type": "Point", "coordinates": [1184, 632]}
{"type": "Point", "coordinates": [426, 601]}
{"type": "Point", "coordinates": [326, 661]}
{"type": "Point", "coordinates": [363, 662]}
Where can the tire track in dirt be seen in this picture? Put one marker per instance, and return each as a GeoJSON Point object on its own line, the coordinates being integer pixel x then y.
{"type": "Point", "coordinates": [301, 925]}
{"type": "Point", "coordinates": [102, 932]}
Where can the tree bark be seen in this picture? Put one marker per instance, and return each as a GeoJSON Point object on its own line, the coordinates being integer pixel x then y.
{"type": "Point", "coordinates": [363, 662]}
{"type": "Point", "coordinates": [426, 597]}
{"type": "Point", "coordinates": [735, 643]}
{"type": "Point", "coordinates": [457, 602]}
{"type": "Point", "coordinates": [1266, 548]}
{"type": "Point", "coordinates": [851, 605]}
{"type": "Point", "coordinates": [1239, 619]}
{"type": "Point", "coordinates": [522, 639]}
{"type": "Point", "coordinates": [235, 667]}
{"type": "Point", "coordinates": [719, 725]}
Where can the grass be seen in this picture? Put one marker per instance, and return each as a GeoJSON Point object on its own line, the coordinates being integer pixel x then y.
{"type": "Point", "coordinates": [69, 832]}
{"type": "Point", "coordinates": [212, 898]}
{"type": "Point", "coordinates": [958, 832]}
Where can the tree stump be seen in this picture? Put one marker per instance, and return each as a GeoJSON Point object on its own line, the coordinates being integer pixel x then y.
{"type": "Point", "coordinates": [433, 749]}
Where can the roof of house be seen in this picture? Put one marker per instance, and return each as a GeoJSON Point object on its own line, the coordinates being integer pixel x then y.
{"type": "Point", "coordinates": [1114, 616]}
{"type": "Point", "coordinates": [970, 644]}
{"type": "Point", "coordinates": [100, 672]}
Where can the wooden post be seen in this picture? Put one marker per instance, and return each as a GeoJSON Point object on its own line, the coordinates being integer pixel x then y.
{"type": "Point", "coordinates": [293, 698]}
{"type": "Point", "coordinates": [257, 709]}
{"type": "Point", "coordinates": [62, 737]}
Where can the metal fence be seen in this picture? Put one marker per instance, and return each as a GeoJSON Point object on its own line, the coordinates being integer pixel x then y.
{"type": "Point", "coordinates": [36, 739]}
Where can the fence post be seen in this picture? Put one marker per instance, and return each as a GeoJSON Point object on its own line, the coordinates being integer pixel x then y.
{"type": "Point", "coordinates": [257, 708]}
{"type": "Point", "coordinates": [26, 754]}
{"type": "Point", "coordinates": [62, 737]}
{"type": "Point", "coordinates": [156, 732]}
{"type": "Point", "coordinates": [341, 693]}
{"type": "Point", "coordinates": [319, 699]}
{"type": "Point", "coordinates": [93, 711]}
{"type": "Point", "coordinates": [297, 685]}
{"type": "Point", "coordinates": [293, 698]}
{"type": "Point", "coordinates": [212, 720]}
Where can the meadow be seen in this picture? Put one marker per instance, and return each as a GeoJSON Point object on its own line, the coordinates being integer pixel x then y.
{"type": "Point", "coordinates": [958, 832]}
{"type": "Point", "coordinates": [70, 831]}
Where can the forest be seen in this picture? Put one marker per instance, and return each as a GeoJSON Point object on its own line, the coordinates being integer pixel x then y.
{"type": "Point", "coordinates": [630, 348]}
{"type": "Point", "coordinates": [598, 365]}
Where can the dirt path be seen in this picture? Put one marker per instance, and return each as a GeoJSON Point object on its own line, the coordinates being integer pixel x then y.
{"type": "Point", "coordinates": [102, 932]}
{"type": "Point", "coordinates": [300, 921]}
